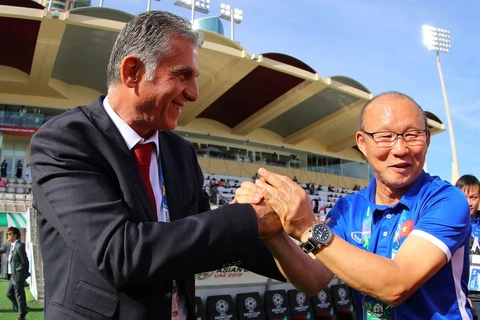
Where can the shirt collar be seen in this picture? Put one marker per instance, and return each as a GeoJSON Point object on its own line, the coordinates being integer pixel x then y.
{"type": "Point", "coordinates": [129, 135]}
{"type": "Point", "coordinates": [408, 199]}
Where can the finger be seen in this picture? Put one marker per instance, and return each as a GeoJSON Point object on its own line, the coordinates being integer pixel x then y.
{"type": "Point", "coordinates": [275, 198]}
{"type": "Point", "coordinates": [276, 180]}
{"type": "Point", "coordinates": [234, 201]}
{"type": "Point", "coordinates": [248, 193]}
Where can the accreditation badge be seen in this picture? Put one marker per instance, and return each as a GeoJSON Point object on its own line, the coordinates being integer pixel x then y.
{"type": "Point", "coordinates": [376, 310]}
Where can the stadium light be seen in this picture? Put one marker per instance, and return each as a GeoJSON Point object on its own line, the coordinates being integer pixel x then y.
{"type": "Point", "coordinates": [149, 4]}
{"type": "Point", "coordinates": [202, 6]}
{"type": "Point", "coordinates": [232, 15]}
{"type": "Point", "coordinates": [438, 40]}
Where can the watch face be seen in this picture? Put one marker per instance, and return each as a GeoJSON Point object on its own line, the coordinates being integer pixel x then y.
{"type": "Point", "coordinates": [321, 233]}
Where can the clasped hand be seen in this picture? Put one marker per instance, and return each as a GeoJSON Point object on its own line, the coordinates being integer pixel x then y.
{"type": "Point", "coordinates": [280, 204]}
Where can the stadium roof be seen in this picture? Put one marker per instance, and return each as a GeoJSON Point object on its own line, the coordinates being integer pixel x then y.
{"type": "Point", "coordinates": [58, 60]}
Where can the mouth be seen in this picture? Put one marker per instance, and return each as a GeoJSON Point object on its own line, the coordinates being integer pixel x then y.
{"type": "Point", "coordinates": [178, 106]}
{"type": "Point", "coordinates": [401, 166]}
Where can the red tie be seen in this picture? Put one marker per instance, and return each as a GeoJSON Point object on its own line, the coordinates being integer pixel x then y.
{"type": "Point", "coordinates": [143, 156]}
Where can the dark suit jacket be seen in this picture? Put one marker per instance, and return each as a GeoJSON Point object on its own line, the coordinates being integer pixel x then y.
{"type": "Point", "coordinates": [19, 263]}
{"type": "Point", "coordinates": [105, 256]}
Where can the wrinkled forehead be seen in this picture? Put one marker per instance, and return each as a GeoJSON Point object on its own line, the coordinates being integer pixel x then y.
{"type": "Point", "coordinates": [393, 109]}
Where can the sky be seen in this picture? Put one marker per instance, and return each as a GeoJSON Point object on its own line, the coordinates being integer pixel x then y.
{"type": "Point", "coordinates": [379, 44]}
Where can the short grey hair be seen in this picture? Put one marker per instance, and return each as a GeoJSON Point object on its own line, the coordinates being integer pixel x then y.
{"type": "Point", "coordinates": [149, 37]}
{"type": "Point", "coordinates": [393, 94]}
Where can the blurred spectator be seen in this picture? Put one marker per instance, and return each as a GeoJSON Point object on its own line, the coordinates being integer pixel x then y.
{"type": "Point", "coordinates": [3, 183]}
{"type": "Point", "coordinates": [3, 168]}
{"type": "Point", "coordinates": [28, 172]}
{"type": "Point", "coordinates": [470, 186]}
{"type": "Point", "coordinates": [19, 169]}
{"type": "Point", "coordinates": [295, 179]}
{"type": "Point", "coordinates": [21, 116]}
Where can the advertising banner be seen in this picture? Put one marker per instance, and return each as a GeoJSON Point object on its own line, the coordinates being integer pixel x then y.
{"type": "Point", "coordinates": [228, 276]}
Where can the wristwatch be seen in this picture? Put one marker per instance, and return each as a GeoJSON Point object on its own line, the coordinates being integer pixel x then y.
{"type": "Point", "coordinates": [320, 235]}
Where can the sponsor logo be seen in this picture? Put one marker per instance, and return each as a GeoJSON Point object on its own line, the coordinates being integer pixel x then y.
{"type": "Point", "coordinates": [357, 236]}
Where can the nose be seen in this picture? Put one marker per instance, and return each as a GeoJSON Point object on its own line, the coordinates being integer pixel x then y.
{"type": "Point", "coordinates": [191, 91]}
{"type": "Point", "coordinates": [400, 146]}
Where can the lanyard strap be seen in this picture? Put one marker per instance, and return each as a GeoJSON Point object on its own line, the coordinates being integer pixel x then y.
{"type": "Point", "coordinates": [164, 193]}
{"type": "Point", "coordinates": [401, 225]}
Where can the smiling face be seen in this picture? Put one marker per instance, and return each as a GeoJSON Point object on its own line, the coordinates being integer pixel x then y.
{"type": "Point", "coordinates": [395, 168]}
{"type": "Point", "coordinates": [156, 104]}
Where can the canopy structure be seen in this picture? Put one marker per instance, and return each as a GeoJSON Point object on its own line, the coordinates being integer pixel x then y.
{"type": "Point", "coordinates": [59, 60]}
{"type": "Point", "coordinates": [13, 219]}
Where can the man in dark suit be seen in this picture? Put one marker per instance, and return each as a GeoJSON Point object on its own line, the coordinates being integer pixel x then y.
{"type": "Point", "coordinates": [119, 243]}
{"type": "Point", "coordinates": [17, 271]}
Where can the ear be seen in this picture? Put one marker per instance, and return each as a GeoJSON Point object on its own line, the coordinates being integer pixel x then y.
{"type": "Point", "coordinates": [359, 138]}
{"type": "Point", "coordinates": [131, 71]}
{"type": "Point", "coordinates": [428, 137]}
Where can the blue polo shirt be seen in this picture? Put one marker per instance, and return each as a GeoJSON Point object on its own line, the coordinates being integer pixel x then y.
{"type": "Point", "coordinates": [476, 225]}
{"type": "Point", "coordinates": [432, 209]}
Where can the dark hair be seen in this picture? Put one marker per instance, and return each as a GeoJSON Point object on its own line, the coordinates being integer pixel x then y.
{"type": "Point", "coordinates": [467, 180]}
{"type": "Point", "coordinates": [393, 94]}
{"type": "Point", "coordinates": [15, 231]}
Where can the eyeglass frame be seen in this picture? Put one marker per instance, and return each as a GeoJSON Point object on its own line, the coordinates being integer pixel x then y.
{"type": "Point", "coordinates": [371, 135]}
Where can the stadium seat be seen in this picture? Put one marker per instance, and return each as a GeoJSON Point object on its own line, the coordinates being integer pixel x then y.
{"type": "Point", "coordinates": [300, 305]}
{"type": "Point", "coordinates": [343, 302]}
{"type": "Point", "coordinates": [322, 305]}
{"type": "Point", "coordinates": [200, 313]}
{"type": "Point", "coordinates": [221, 307]}
{"type": "Point", "coordinates": [10, 197]}
{"type": "Point", "coordinates": [277, 305]}
{"type": "Point", "coordinates": [250, 306]}
{"type": "Point", "coordinates": [20, 208]}
{"type": "Point", "coordinates": [3, 189]}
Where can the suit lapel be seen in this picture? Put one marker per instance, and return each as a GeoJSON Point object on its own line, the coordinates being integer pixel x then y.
{"type": "Point", "coordinates": [102, 121]}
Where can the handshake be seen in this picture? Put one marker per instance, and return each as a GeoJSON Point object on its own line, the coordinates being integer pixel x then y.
{"type": "Point", "coordinates": [280, 204]}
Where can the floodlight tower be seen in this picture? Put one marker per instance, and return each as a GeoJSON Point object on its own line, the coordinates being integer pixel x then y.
{"type": "Point", "coordinates": [438, 40]}
{"type": "Point", "coordinates": [202, 6]}
{"type": "Point", "coordinates": [149, 4]}
{"type": "Point", "coordinates": [232, 15]}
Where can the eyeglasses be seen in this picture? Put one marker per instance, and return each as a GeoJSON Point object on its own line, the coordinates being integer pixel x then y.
{"type": "Point", "coordinates": [387, 139]}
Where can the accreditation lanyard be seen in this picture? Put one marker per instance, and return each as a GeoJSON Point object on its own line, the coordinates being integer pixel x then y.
{"type": "Point", "coordinates": [165, 211]}
{"type": "Point", "coordinates": [176, 305]}
{"type": "Point", "coordinates": [374, 309]}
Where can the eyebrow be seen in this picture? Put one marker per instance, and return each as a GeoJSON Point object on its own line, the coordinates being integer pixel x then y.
{"type": "Point", "coordinates": [185, 70]}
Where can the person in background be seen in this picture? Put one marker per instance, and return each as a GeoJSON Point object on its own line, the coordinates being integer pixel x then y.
{"type": "Point", "coordinates": [17, 271]}
{"type": "Point", "coordinates": [470, 186]}
{"type": "Point", "coordinates": [19, 169]}
{"type": "Point", "coordinates": [21, 116]}
{"type": "Point", "coordinates": [3, 169]}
